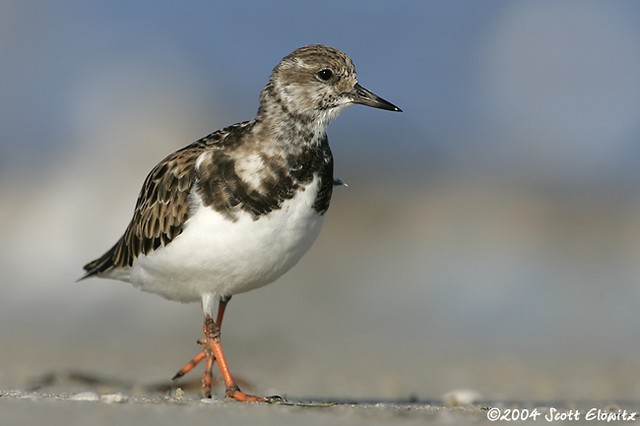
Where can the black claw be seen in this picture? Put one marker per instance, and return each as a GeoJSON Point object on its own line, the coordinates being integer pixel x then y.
{"type": "Point", "coordinates": [275, 399]}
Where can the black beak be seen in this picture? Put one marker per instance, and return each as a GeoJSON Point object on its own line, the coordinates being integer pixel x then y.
{"type": "Point", "coordinates": [366, 97]}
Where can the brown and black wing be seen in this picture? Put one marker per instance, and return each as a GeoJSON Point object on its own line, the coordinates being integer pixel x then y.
{"type": "Point", "coordinates": [161, 211]}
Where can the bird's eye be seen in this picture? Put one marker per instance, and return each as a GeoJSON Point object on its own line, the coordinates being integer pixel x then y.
{"type": "Point", "coordinates": [325, 74]}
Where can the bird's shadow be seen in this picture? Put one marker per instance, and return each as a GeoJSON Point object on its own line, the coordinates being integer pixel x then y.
{"type": "Point", "coordinates": [76, 379]}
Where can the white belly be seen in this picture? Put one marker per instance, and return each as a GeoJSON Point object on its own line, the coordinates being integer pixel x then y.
{"type": "Point", "coordinates": [216, 255]}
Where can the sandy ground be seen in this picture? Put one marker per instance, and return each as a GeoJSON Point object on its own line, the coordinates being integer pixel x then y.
{"type": "Point", "coordinates": [91, 407]}
{"type": "Point", "coordinates": [88, 407]}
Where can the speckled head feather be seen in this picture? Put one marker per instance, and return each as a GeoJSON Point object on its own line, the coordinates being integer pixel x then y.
{"type": "Point", "coordinates": [312, 81]}
{"type": "Point", "coordinates": [251, 167]}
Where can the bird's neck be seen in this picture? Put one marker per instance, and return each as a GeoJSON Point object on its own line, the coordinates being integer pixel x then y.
{"type": "Point", "coordinates": [278, 123]}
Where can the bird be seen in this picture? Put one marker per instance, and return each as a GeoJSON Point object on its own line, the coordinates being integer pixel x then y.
{"type": "Point", "coordinates": [236, 209]}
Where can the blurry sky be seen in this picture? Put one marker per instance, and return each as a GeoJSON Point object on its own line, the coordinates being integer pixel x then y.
{"type": "Point", "coordinates": [536, 90]}
{"type": "Point", "coordinates": [516, 154]}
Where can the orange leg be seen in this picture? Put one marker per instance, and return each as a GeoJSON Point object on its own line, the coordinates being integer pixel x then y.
{"type": "Point", "coordinates": [207, 378]}
{"type": "Point", "coordinates": [212, 334]}
{"type": "Point", "coordinates": [190, 365]}
{"type": "Point", "coordinates": [212, 351]}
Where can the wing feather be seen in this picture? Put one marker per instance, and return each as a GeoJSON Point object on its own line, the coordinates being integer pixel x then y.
{"type": "Point", "coordinates": [160, 214]}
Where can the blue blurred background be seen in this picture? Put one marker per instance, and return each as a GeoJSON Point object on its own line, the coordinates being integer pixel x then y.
{"type": "Point", "coordinates": [492, 226]}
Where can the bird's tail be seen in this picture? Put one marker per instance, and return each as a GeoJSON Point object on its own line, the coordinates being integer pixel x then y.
{"type": "Point", "coordinates": [101, 264]}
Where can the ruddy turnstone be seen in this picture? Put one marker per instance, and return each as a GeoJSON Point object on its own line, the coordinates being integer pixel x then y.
{"type": "Point", "coordinates": [238, 208]}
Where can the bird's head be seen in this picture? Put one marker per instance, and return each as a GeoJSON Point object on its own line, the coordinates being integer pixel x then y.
{"type": "Point", "coordinates": [315, 83]}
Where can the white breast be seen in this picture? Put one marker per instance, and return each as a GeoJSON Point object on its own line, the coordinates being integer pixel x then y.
{"type": "Point", "coordinates": [216, 255]}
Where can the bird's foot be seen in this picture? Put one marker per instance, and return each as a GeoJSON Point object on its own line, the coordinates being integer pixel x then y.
{"type": "Point", "coordinates": [190, 365]}
{"type": "Point", "coordinates": [234, 392]}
